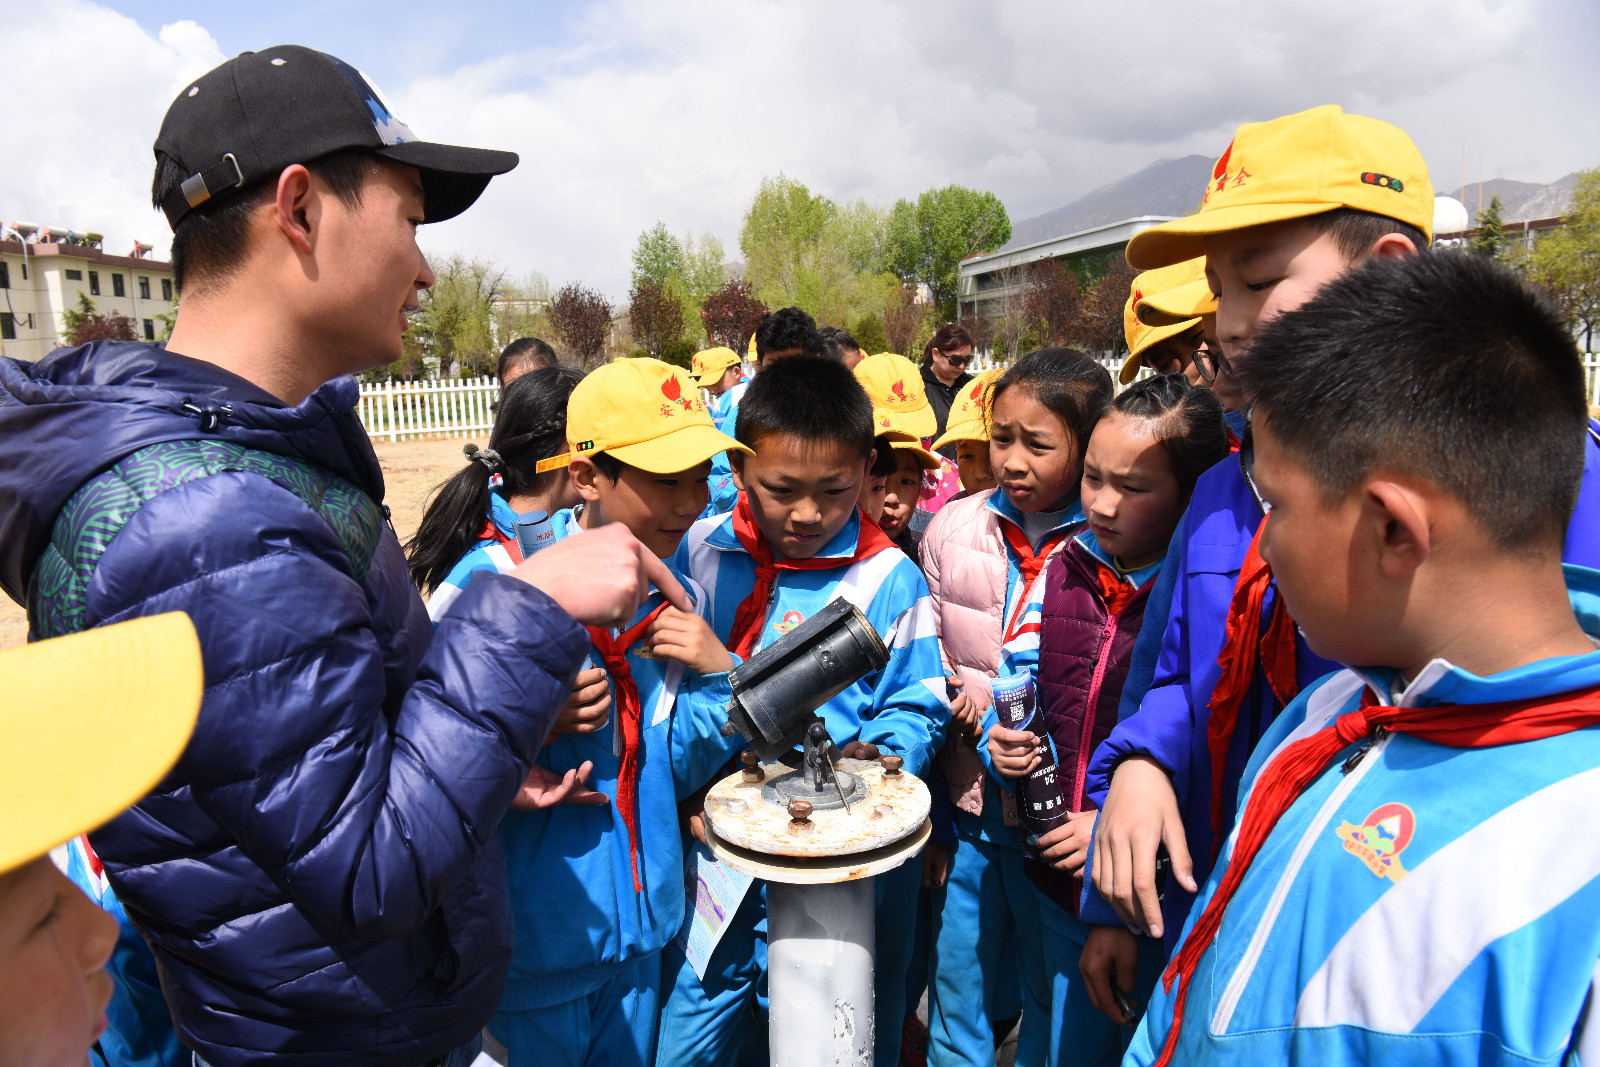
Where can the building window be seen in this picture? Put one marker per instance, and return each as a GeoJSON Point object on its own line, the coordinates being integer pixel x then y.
{"type": "Point", "coordinates": [144, 288]}
{"type": "Point", "coordinates": [117, 288]}
{"type": "Point", "coordinates": [8, 326]}
{"type": "Point", "coordinates": [5, 275]}
{"type": "Point", "coordinates": [74, 275]}
{"type": "Point", "coordinates": [94, 283]}
{"type": "Point", "coordinates": [149, 330]}
{"type": "Point", "coordinates": [166, 289]}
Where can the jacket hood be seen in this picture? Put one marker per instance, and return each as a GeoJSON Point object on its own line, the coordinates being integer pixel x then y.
{"type": "Point", "coordinates": [80, 410]}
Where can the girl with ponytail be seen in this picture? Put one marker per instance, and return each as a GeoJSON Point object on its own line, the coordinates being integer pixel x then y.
{"type": "Point", "coordinates": [472, 519]}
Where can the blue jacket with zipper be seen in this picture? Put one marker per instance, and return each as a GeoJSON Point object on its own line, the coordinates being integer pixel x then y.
{"type": "Point", "coordinates": [1420, 904]}
{"type": "Point", "coordinates": [319, 875]}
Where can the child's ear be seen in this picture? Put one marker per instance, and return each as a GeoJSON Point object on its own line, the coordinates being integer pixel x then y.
{"type": "Point", "coordinates": [736, 463]}
{"type": "Point", "coordinates": [585, 476]}
{"type": "Point", "coordinates": [1404, 534]}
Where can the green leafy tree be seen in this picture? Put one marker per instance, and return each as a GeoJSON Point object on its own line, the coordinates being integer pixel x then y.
{"type": "Point", "coordinates": [1490, 238]}
{"type": "Point", "coordinates": [927, 240]}
{"type": "Point", "coordinates": [658, 257]}
{"type": "Point", "coordinates": [869, 333]}
{"type": "Point", "coordinates": [783, 228]}
{"type": "Point", "coordinates": [1565, 262]}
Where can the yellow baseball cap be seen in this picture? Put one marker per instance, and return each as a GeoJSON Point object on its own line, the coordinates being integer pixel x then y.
{"type": "Point", "coordinates": [1292, 167]}
{"type": "Point", "coordinates": [1172, 306]}
{"type": "Point", "coordinates": [92, 722]}
{"type": "Point", "coordinates": [900, 406]}
{"type": "Point", "coordinates": [969, 415]}
{"type": "Point", "coordinates": [925, 459]}
{"type": "Point", "coordinates": [1141, 335]}
{"type": "Point", "coordinates": [750, 353]}
{"type": "Point", "coordinates": [710, 364]}
{"type": "Point", "coordinates": [644, 413]}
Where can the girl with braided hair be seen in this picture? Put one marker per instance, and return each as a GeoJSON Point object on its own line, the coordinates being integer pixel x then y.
{"type": "Point", "coordinates": [470, 524]}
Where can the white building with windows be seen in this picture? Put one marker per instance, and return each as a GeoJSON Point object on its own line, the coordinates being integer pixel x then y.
{"type": "Point", "coordinates": [43, 271]}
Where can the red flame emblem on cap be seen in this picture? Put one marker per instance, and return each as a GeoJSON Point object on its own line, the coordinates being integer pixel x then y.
{"type": "Point", "coordinates": [977, 392]}
{"type": "Point", "coordinates": [674, 392]}
{"type": "Point", "coordinates": [1222, 162]}
{"type": "Point", "coordinates": [897, 391]}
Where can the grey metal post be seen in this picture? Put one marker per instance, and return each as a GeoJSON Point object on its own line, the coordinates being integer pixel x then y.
{"type": "Point", "coordinates": [819, 968]}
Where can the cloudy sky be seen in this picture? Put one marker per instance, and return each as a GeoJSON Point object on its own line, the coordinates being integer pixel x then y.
{"type": "Point", "coordinates": [629, 111]}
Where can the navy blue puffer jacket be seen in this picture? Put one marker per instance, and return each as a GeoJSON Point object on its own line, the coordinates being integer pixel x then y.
{"type": "Point", "coordinates": [319, 876]}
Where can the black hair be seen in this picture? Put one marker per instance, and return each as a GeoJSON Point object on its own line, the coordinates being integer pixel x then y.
{"type": "Point", "coordinates": [1188, 424]}
{"type": "Point", "coordinates": [1442, 367]}
{"type": "Point", "coordinates": [1355, 232]}
{"type": "Point", "coordinates": [886, 461]}
{"type": "Point", "coordinates": [785, 329]}
{"type": "Point", "coordinates": [212, 241]}
{"type": "Point", "coordinates": [524, 352]}
{"type": "Point", "coordinates": [1070, 385]}
{"type": "Point", "coordinates": [835, 342]}
{"type": "Point", "coordinates": [947, 338]}
{"type": "Point", "coordinates": [809, 397]}
{"type": "Point", "coordinates": [530, 425]}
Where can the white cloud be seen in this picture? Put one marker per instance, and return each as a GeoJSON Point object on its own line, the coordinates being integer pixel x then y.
{"type": "Point", "coordinates": [675, 112]}
{"type": "Point", "coordinates": [89, 87]}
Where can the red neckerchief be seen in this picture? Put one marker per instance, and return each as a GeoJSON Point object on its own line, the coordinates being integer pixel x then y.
{"type": "Point", "coordinates": [1234, 443]}
{"type": "Point", "coordinates": [1029, 562]}
{"type": "Point", "coordinates": [1299, 764]}
{"type": "Point", "coordinates": [614, 650]}
{"type": "Point", "coordinates": [1243, 649]}
{"type": "Point", "coordinates": [752, 614]}
{"type": "Point", "coordinates": [1116, 589]}
{"type": "Point", "coordinates": [491, 532]}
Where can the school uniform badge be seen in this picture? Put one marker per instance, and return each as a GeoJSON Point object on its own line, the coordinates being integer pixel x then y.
{"type": "Point", "coordinates": [1380, 838]}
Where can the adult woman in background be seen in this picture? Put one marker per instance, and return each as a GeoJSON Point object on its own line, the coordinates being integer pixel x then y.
{"type": "Point", "coordinates": [944, 371]}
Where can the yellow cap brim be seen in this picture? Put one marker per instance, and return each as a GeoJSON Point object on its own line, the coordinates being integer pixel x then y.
{"type": "Point", "coordinates": [1130, 369]}
{"type": "Point", "coordinates": [918, 424]}
{"type": "Point", "coordinates": [679, 450]}
{"type": "Point", "coordinates": [712, 377]}
{"type": "Point", "coordinates": [1181, 239]}
{"type": "Point", "coordinates": [1179, 304]}
{"type": "Point", "coordinates": [963, 431]}
{"type": "Point", "coordinates": [928, 460]}
{"type": "Point", "coordinates": [92, 722]}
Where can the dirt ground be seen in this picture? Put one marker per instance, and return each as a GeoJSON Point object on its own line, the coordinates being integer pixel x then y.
{"type": "Point", "coordinates": [410, 470]}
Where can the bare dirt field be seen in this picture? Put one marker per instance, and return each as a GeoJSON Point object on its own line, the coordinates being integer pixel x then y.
{"type": "Point", "coordinates": [410, 470]}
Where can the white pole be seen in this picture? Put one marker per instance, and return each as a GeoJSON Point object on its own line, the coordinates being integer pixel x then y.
{"type": "Point", "coordinates": [819, 967]}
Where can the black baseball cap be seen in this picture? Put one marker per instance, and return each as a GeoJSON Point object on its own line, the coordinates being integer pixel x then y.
{"type": "Point", "coordinates": [262, 111]}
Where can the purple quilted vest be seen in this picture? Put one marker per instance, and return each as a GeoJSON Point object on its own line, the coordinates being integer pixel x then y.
{"type": "Point", "coordinates": [1084, 654]}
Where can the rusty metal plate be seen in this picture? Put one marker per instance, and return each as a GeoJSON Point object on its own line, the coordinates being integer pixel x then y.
{"type": "Point", "coordinates": [895, 806]}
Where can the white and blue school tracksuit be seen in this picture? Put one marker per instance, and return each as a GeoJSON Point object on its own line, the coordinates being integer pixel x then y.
{"type": "Point", "coordinates": [585, 973]}
{"type": "Point", "coordinates": [986, 894]}
{"type": "Point", "coordinates": [1080, 1034]}
{"type": "Point", "coordinates": [1479, 944]}
{"type": "Point", "coordinates": [902, 709]}
{"type": "Point", "coordinates": [724, 411]}
{"type": "Point", "coordinates": [487, 555]}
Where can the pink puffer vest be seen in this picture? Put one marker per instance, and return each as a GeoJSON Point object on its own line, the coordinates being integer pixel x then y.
{"type": "Point", "coordinates": [964, 559]}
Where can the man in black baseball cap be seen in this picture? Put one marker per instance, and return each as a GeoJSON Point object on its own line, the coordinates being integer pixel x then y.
{"type": "Point", "coordinates": [319, 876]}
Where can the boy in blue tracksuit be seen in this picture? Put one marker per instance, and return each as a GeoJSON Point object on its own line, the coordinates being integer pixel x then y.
{"type": "Point", "coordinates": [719, 372]}
{"type": "Point", "coordinates": [1408, 880]}
{"type": "Point", "coordinates": [1293, 203]}
{"type": "Point", "coordinates": [597, 882]}
{"type": "Point", "coordinates": [793, 543]}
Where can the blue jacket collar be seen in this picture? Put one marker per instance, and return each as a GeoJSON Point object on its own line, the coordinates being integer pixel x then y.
{"type": "Point", "coordinates": [1091, 545]}
{"type": "Point", "coordinates": [501, 514]}
{"type": "Point", "coordinates": [1442, 682]}
{"type": "Point", "coordinates": [1002, 506]}
{"type": "Point", "coordinates": [841, 547]}
{"type": "Point", "coordinates": [79, 410]}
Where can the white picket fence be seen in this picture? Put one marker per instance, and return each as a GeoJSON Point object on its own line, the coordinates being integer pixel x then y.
{"type": "Point", "coordinates": [405, 411]}
{"type": "Point", "coordinates": [460, 407]}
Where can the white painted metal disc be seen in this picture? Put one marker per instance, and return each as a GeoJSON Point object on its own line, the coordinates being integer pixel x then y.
{"type": "Point", "coordinates": [824, 870]}
{"type": "Point", "coordinates": [895, 806]}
